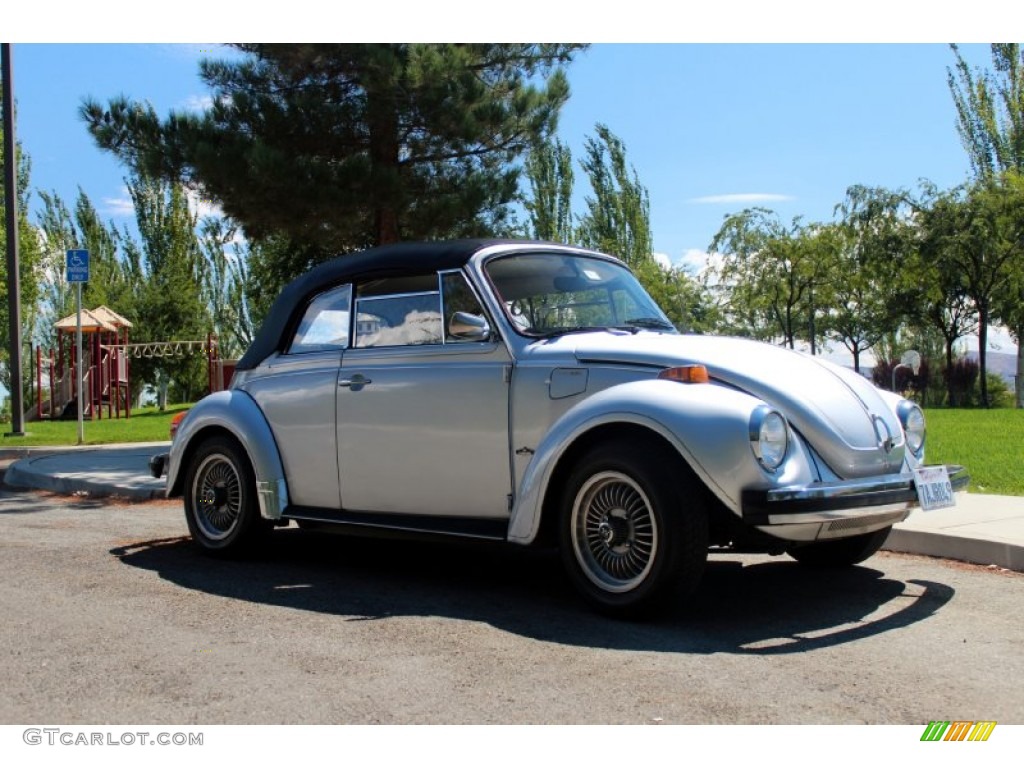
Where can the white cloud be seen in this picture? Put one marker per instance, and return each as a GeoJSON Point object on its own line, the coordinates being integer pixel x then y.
{"type": "Point", "coordinates": [203, 206]}
{"type": "Point", "coordinates": [196, 103]}
{"type": "Point", "coordinates": [694, 260]}
{"type": "Point", "coordinates": [662, 260]}
{"type": "Point", "coordinates": [740, 197]}
{"type": "Point", "coordinates": [118, 206]}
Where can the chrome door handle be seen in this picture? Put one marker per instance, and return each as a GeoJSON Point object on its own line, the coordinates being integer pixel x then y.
{"type": "Point", "coordinates": [356, 381]}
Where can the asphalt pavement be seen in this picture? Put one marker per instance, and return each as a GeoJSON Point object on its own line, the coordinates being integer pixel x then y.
{"type": "Point", "coordinates": [981, 528]}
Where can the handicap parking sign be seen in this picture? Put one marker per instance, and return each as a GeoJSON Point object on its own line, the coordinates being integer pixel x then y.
{"type": "Point", "coordinates": [78, 266]}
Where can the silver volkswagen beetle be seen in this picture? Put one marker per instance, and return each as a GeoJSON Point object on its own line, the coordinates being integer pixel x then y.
{"type": "Point", "coordinates": [533, 393]}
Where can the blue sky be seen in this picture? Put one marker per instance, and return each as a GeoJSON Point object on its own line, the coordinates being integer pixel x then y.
{"type": "Point", "coordinates": [722, 106]}
{"type": "Point", "coordinates": [710, 128]}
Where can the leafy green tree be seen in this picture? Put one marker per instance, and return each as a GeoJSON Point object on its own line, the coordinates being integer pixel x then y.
{"type": "Point", "coordinates": [767, 274]}
{"type": "Point", "coordinates": [942, 301]}
{"type": "Point", "coordinates": [686, 300]}
{"type": "Point", "coordinates": [224, 290]}
{"type": "Point", "coordinates": [990, 120]}
{"type": "Point", "coordinates": [170, 304]}
{"type": "Point", "coordinates": [874, 282]}
{"type": "Point", "coordinates": [58, 235]}
{"type": "Point", "coordinates": [111, 283]}
{"type": "Point", "coordinates": [550, 178]}
{"type": "Point", "coordinates": [618, 216]}
{"type": "Point", "coordinates": [969, 227]}
{"type": "Point", "coordinates": [335, 147]}
{"type": "Point", "coordinates": [29, 265]}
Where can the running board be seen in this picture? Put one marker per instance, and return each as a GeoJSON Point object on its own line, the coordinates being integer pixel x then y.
{"type": "Point", "coordinates": [462, 527]}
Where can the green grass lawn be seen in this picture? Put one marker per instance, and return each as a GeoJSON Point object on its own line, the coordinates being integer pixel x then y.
{"type": "Point", "coordinates": [145, 425]}
{"type": "Point", "coordinates": [989, 443]}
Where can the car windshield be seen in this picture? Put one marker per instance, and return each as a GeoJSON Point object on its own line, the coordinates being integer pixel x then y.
{"type": "Point", "coordinates": [549, 294]}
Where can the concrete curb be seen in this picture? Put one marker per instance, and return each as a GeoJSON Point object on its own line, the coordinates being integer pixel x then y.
{"type": "Point", "coordinates": [16, 478]}
{"type": "Point", "coordinates": [964, 548]}
{"type": "Point", "coordinates": [120, 471]}
{"type": "Point", "coordinates": [10, 453]}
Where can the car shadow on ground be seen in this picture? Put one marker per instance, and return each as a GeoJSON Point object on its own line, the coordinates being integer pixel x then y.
{"type": "Point", "coordinates": [744, 606]}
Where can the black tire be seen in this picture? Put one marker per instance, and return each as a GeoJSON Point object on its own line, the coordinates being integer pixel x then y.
{"type": "Point", "coordinates": [221, 509]}
{"type": "Point", "coordinates": [840, 553]}
{"type": "Point", "coordinates": [633, 532]}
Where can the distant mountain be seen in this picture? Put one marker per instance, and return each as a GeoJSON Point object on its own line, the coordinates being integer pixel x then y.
{"type": "Point", "coordinates": [998, 362]}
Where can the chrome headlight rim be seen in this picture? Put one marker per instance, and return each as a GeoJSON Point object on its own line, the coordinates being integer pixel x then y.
{"type": "Point", "coordinates": [915, 429]}
{"type": "Point", "coordinates": [769, 437]}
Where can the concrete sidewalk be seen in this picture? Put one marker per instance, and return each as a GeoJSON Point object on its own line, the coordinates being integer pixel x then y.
{"type": "Point", "coordinates": [100, 470]}
{"type": "Point", "coordinates": [983, 529]}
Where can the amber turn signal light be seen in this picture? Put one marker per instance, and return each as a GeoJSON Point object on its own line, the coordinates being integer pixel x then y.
{"type": "Point", "coordinates": [688, 374]}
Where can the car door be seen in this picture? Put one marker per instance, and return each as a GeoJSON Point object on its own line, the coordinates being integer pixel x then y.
{"type": "Point", "coordinates": [296, 390]}
{"type": "Point", "coordinates": [422, 419]}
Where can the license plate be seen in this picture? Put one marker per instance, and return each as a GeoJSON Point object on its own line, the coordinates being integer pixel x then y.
{"type": "Point", "coordinates": [934, 490]}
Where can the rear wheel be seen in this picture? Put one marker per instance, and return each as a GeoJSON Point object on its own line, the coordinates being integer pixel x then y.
{"type": "Point", "coordinates": [634, 530]}
{"type": "Point", "coordinates": [840, 553]}
{"type": "Point", "coordinates": [220, 498]}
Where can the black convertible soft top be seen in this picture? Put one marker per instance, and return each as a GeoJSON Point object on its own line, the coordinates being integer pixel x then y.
{"type": "Point", "coordinates": [399, 258]}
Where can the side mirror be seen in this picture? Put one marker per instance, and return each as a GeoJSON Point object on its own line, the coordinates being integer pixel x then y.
{"type": "Point", "coordinates": [468, 327]}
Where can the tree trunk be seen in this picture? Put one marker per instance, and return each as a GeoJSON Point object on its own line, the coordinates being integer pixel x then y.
{"type": "Point", "coordinates": [982, 344]}
{"type": "Point", "coordinates": [950, 389]}
{"type": "Point", "coordinates": [382, 124]}
{"type": "Point", "coordinates": [1019, 379]}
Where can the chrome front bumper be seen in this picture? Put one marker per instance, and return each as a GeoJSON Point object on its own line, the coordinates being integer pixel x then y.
{"type": "Point", "coordinates": [840, 500]}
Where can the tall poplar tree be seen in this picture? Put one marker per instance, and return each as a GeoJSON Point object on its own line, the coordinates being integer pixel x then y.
{"type": "Point", "coordinates": [29, 255]}
{"type": "Point", "coordinates": [170, 305]}
{"type": "Point", "coordinates": [618, 216]}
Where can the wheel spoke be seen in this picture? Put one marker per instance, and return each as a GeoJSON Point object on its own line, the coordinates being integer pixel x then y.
{"type": "Point", "coordinates": [614, 531]}
{"type": "Point", "coordinates": [217, 496]}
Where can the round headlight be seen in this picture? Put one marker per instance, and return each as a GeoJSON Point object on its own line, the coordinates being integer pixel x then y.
{"type": "Point", "coordinates": [912, 419]}
{"type": "Point", "coordinates": [769, 437]}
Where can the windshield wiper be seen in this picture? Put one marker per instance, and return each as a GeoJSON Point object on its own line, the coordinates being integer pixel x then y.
{"type": "Point", "coordinates": [650, 322]}
{"type": "Point", "coordinates": [578, 329]}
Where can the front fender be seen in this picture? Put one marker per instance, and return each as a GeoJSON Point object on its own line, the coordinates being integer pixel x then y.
{"type": "Point", "coordinates": [708, 425]}
{"type": "Point", "coordinates": [235, 412]}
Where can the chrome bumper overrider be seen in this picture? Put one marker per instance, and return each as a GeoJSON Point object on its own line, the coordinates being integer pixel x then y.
{"type": "Point", "coordinates": [158, 464]}
{"type": "Point", "coordinates": [843, 499]}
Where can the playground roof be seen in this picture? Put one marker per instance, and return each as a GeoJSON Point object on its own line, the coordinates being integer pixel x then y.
{"type": "Point", "coordinates": [93, 321]}
{"type": "Point", "coordinates": [106, 313]}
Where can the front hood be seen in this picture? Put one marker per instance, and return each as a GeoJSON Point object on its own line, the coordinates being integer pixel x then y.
{"type": "Point", "coordinates": [838, 412]}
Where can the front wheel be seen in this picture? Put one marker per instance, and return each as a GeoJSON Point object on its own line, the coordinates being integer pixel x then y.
{"type": "Point", "coordinates": [220, 498]}
{"type": "Point", "coordinates": [840, 553]}
{"type": "Point", "coordinates": [634, 530]}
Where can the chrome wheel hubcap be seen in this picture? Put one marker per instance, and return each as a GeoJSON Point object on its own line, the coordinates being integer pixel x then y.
{"type": "Point", "coordinates": [614, 533]}
{"type": "Point", "coordinates": [217, 496]}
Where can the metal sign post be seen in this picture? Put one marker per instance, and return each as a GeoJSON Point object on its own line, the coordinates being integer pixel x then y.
{"type": "Point", "coordinates": [78, 273]}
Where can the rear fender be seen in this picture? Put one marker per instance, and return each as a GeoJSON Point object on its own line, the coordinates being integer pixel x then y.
{"type": "Point", "coordinates": [235, 412]}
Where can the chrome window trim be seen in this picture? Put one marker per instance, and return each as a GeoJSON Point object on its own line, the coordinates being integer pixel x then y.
{"type": "Point", "coordinates": [348, 340]}
{"type": "Point", "coordinates": [476, 295]}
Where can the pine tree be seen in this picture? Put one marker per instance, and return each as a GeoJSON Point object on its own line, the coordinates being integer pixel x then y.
{"type": "Point", "coordinates": [335, 147]}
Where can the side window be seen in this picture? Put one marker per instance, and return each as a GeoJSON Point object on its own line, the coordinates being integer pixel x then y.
{"type": "Point", "coordinates": [325, 324]}
{"type": "Point", "coordinates": [398, 311]}
{"type": "Point", "coordinates": [458, 297]}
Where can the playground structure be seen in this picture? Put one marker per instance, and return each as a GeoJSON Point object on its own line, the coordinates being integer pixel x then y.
{"type": "Point", "coordinates": [106, 369]}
